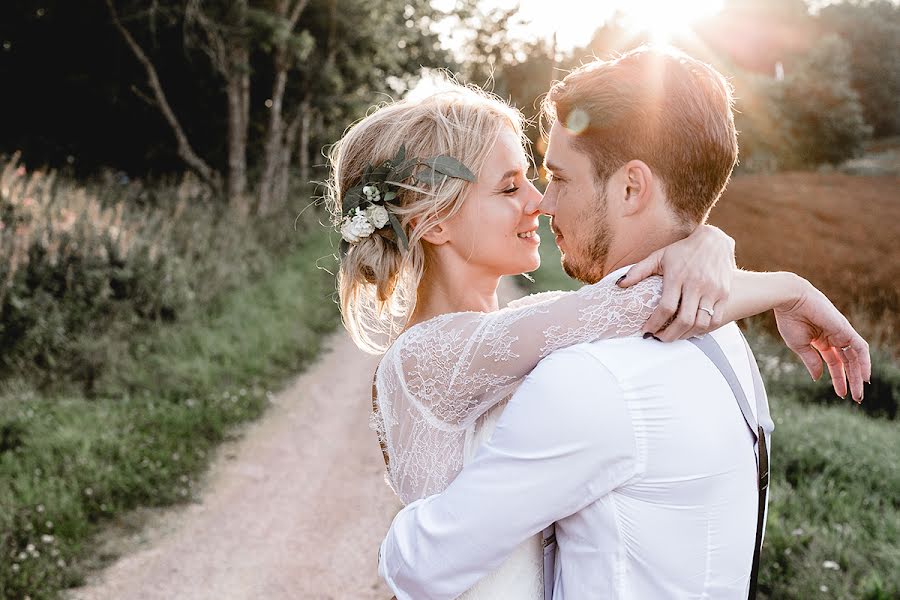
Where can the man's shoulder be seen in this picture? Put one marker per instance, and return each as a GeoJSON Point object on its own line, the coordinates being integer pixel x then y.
{"type": "Point", "coordinates": [572, 369]}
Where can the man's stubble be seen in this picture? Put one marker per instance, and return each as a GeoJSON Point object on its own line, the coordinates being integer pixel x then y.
{"type": "Point", "coordinates": [587, 265]}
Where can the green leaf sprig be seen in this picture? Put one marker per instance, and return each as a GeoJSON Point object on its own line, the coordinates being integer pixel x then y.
{"type": "Point", "coordinates": [388, 176]}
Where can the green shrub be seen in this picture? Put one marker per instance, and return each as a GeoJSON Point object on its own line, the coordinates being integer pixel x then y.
{"type": "Point", "coordinates": [69, 464]}
{"type": "Point", "coordinates": [86, 267]}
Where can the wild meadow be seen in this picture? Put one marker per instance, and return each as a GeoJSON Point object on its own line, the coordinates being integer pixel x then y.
{"type": "Point", "coordinates": [140, 326]}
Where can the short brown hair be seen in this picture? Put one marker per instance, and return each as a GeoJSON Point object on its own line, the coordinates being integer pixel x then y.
{"type": "Point", "coordinates": [660, 106]}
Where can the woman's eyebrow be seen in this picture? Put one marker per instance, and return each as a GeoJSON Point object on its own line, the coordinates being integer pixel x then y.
{"type": "Point", "coordinates": [510, 173]}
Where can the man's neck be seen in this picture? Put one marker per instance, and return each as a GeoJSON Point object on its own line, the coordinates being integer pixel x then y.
{"type": "Point", "coordinates": [642, 243]}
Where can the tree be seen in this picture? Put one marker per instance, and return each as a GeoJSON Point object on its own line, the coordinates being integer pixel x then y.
{"type": "Point", "coordinates": [872, 30]}
{"type": "Point", "coordinates": [818, 108]}
{"type": "Point", "coordinates": [321, 60]}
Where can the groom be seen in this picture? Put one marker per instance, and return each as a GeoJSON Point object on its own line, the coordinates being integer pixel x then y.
{"type": "Point", "coordinates": [637, 450]}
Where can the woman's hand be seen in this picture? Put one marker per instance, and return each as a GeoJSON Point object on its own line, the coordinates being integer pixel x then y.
{"type": "Point", "coordinates": [697, 273]}
{"type": "Point", "coordinates": [815, 330]}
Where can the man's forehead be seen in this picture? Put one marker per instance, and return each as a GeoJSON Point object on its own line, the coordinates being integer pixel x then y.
{"type": "Point", "coordinates": [558, 148]}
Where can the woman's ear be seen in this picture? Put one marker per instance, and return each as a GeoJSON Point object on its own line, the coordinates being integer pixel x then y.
{"type": "Point", "coordinates": [436, 235]}
{"type": "Point", "coordinates": [638, 187]}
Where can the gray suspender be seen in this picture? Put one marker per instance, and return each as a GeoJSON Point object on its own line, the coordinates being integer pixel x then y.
{"type": "Point", "coordinates": [758, 427]}
{"type": "Point", "coordinates": [708, 345]}
{"type": "Point", "coordinates": [549, 544]}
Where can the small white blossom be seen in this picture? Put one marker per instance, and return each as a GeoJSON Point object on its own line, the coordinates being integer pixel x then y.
{"type": "Point", "coordinates": [47, 539]}
{"type": "Point", "coordinates": [371, 192]}
{"type": "Point", "coordinates": [29, 548]}
{"type": "Point", "coordinates": [377, 215]}
{"type": "Point", "coordinates": [830, 564]}
{"type": "Point", "coordinates": [15, 567]}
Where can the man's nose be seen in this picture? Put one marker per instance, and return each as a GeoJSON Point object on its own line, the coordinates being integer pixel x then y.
{"type": "Point", "coordinates": [548, 203]}
{"type": "Point", "coordinates": [533, 199]}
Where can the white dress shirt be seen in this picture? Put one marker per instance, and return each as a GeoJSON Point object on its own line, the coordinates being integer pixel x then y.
{"type": "Point", "coordinates": [635, 448]}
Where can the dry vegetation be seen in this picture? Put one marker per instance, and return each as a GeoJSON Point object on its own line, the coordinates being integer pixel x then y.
{"type": "Point", "coordinates": [839, 231]}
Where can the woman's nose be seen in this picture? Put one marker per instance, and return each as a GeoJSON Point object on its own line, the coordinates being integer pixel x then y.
{"type": "Point", "coordinates": [532, 199]}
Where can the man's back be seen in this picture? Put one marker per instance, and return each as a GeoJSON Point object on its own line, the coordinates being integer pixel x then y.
{"type": "Point", "coordinates": [684, 524]}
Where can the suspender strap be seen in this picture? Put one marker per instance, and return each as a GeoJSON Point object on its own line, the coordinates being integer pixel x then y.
{"type": "Point", "coordinates": [548, 537]}
{"type": "Point", "coordinates": [708, 345]}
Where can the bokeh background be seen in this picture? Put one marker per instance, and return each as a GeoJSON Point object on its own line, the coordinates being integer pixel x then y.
{"type": "Point", "coordinates": [164, 264]}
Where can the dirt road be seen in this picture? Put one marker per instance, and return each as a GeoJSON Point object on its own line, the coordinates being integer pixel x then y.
{"type": "Point", "coordinates": [295, 509]}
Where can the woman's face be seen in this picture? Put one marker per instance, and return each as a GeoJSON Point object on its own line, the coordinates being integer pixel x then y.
{"type": "Point", "coordinates": [496, 227]}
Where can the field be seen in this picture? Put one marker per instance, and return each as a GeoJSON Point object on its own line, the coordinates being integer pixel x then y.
{"type": "Point", "coordinates": [838, 231]}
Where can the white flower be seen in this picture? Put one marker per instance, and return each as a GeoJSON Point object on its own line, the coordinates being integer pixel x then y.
{"type": "Point", "coordinates": [377, 215]}
{"type": "Point", "coordinates": [830, 564]}
{"type": "Point", "coordinates": [355, 228]}
{"type": "Point", "coordinates": [47, 539]}
{"type": "Point", "coordinates": [361, 226]}
{"type": "Point", "coordinates": [347, 231]}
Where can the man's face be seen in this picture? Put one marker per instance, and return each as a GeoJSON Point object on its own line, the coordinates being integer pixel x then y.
{"type": "Point", "coordinates": [578, 209]}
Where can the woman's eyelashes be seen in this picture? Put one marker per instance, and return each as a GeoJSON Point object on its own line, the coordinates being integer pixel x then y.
{"type": "Point", "coordinates": [510, 190]}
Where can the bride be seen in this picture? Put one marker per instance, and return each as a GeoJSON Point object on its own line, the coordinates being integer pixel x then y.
{"type": "Point", "coordinates": [434, 206]}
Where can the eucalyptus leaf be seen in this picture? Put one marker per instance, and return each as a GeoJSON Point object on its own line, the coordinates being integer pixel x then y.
{"type": "Point", "coordinates": [451, 167]}
{"type": "Point", "coordinates": [352, 199]}
{"type": "Point", "coordinates": [398, 231]}
{"type": "Point", "coordinates": [399, 157]}
{"type": "Point", "coordinates": [389, 196]}
{"type": "Point", "coordinates": [345, 247]}
{"type": "Point", "coordinates": [428, 177]}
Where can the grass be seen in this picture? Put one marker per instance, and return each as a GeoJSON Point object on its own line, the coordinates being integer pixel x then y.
{"type": "Point", "coordinates": [73, 463]}
{"type": "Point", "coordinates": [833, 527]}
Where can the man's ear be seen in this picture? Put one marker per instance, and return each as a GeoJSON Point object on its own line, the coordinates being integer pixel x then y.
{"type": "Point", "coordinates": [638, 187]}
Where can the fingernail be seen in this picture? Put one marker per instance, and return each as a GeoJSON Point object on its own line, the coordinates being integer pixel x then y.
{"type": "Point", "coordinates": [621, 279]}
{"type": "Point", "coordinates": [648, 335]}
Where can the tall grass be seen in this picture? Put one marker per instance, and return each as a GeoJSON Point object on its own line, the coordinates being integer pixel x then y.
{"type": "Point", "coordinates": [85, 267]}
{"type": "Point", "coordinates": [72, 463]}
{"type": "Point", "coordinates": [139, 325]}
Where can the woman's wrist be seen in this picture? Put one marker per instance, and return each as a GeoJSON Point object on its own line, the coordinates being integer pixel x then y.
{"type": "Point", "coordinates": [793, 287]}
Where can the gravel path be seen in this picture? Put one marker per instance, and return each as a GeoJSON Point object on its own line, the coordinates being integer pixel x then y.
{"type": "Point", "coordinates": [295, 509]}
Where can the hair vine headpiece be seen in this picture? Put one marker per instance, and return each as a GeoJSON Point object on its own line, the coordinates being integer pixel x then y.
{"type": "Point", "coordinates": [380, 189]}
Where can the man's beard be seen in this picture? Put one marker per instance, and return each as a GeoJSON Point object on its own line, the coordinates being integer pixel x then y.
{"type": "Point", "coordinates": [588, 268]}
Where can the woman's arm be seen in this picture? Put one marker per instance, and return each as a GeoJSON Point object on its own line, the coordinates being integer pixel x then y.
{"type": "Point", "coordinates": [809, 323]}
{"type": "Point", "coordinates": [457, 365]}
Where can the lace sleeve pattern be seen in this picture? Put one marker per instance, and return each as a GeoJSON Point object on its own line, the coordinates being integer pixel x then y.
{"type": "Point", "coordinates": [453, 362]}
{"type": "Point", "coordinates": [441, 375]}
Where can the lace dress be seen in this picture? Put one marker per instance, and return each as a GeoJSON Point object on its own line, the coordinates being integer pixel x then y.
{"type": "Point", "coordinates": [442, 386]}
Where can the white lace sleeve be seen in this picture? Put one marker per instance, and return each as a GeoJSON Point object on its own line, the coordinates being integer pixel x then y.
{"type": "Point", "coordinates": [455, 364]}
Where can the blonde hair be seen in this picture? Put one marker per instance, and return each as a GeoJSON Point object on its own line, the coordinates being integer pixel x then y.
{"type": "Point", "coordinates": [378, 280]}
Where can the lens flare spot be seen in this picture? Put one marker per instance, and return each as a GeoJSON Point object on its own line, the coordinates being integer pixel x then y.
{"type": "Point", "coordinates": [577, 121]}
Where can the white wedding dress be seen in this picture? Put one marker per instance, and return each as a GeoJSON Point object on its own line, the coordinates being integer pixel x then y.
{"type": "Point", "coordinates": [442, 385]}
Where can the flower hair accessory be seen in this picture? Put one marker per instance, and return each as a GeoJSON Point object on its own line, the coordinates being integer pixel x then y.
{"type": "Point", "coordinates": [366, 206]}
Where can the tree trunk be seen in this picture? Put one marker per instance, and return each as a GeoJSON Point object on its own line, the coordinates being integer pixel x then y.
{"type": "Point", "coordinates": [238, 90]}
{"type": "Point", "coordinates": [209, 175]}
{"type": "Point", "coordinates": [306, 114]}
{"type": "Point", "coordinates": [274, 145]}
